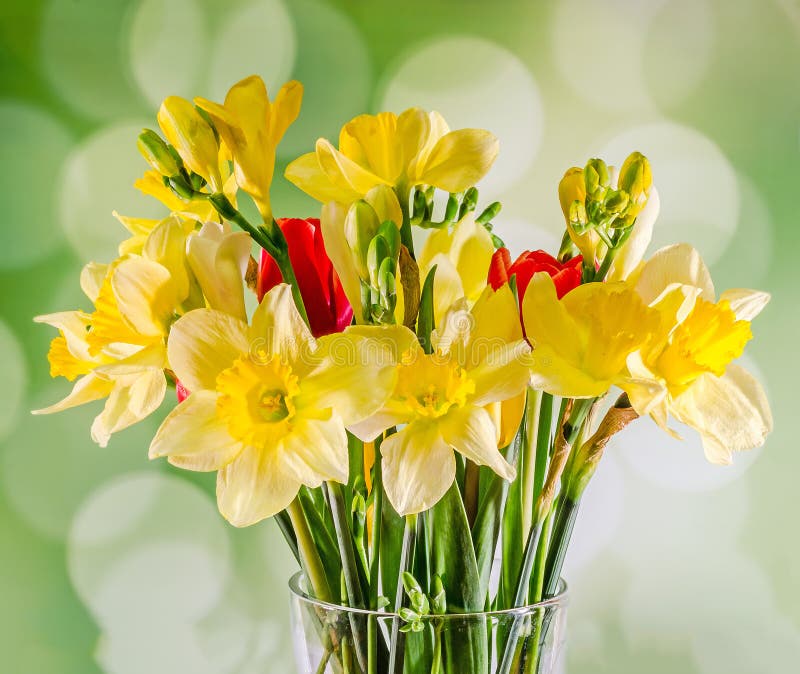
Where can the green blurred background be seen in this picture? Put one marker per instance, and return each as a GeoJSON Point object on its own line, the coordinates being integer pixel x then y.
{"type": "Point", "coordinates": [110, 563]}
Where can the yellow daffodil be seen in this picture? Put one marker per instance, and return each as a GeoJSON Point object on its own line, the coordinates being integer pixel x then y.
{"type": "Point", "coordinates": [689, 361]}
{"type": "Point", "coordinates": [118, 351]}
{"type": "Point", "coordinates": [462, 257]}
{"type": "Point", "coordinates": [251, 126]}
{"type": "Point", "coordinates": [400, 151]}
{"type": "Point", "coordinates": [442, 397]}
{"type": "Point", "coordinates": [581, 342]}
{"type": "Point", "coordinates": [268, 404]}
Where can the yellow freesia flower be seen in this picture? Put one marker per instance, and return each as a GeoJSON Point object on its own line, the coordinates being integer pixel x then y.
{"type": "Point", "coordinates": [442, 397]}
{"type": "Point", "coordinates": [251, 126]}
{"type": "Point", "coordinates": [193, 138]}
{"type": "Point", "coordinates": [269, 403]}
{"type": "Point", "coordinates": [581, 342]}
{"type": "Point", "coordinates": [689, 361]}
{"type": "Point", "coordinates": [462, 257]}
{"type": "Point", "coordinates": [400, 151]}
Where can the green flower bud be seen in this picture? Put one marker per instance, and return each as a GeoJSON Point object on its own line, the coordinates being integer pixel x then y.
{"type": "Point", "coordinates": [360, 227]}
{"type": "Point", "coordinates": [489, 213]}
{"type": "Point", "coordinates": [438, 598]}
{"type": "Point", "coordinates": [595, 175]}
{"type": "Point", "coordinates": [389, 231]}
{"type": "Point", "coordinates": [616, 201]}
{"type": "Point", "coordinates": [451, 210]}
{"type": "Point", "coordinates": [157, 153]}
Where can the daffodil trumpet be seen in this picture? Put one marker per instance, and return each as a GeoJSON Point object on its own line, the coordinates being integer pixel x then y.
{"type": "Point", "coordinates": [404, 415]}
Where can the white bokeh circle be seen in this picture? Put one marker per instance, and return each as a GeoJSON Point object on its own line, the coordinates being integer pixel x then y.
{"type": "Point", "coordinates": [34, 147]}
{"type": "Point", "coordinates": [15, 379]}
{"type": "Point", "coordinates": [520, 235]}
{"type": "Point", "coordinates": [165, 563]}
{"type": "Point", "coordinates": [696, 182]}
{"type": "Point", "coordinates": [256, 38]}
{"type": "Point", "coordinates": [89, 74]}
{"type": "Point", "coordinates": [335, 67]}
{"type": "Point", "coordinates": [98, 179]}
{"type": "Point", "coordinates": [475, 83]}
{"type": "Point", "coordinates": [165, 46]}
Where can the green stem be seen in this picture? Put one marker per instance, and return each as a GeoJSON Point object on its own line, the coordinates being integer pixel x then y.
{"type": "Point", "coordinates": [562, 533]}
{"type": "Point", "coordinates": [406, 560]}
{"type": "Point", "coordinates": [437, 650]}
{"type": "Point", "coordinates": [375, 561]}
{"type": "Point", "coordinates": [543, 440]}
{"type": "Point", "coordinates": [352, 582]}
{"type": "Point", "coordinates": [284, 523]}
{"type": "Point", "coordinates": [537, 584]}
{"type": "Point", "coordinates": [309, 556]}
{"type": "Point", "coordinates": [530, 457]}
{"type": "Point", "coordinates": [273, 242]}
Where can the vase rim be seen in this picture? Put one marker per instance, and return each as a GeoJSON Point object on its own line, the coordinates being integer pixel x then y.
{"type": "Point", "coordinates": [560, 600]}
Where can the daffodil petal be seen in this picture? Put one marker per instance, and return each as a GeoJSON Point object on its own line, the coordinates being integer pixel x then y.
{"type": "Point", "coordinates": [279, 329]}
{"type": "Point", "coordinates": [746, 304]}
{"type": "Point", "coordinates": [679, 263]}
{"type": "Point", "coordinates": [148, 357]}
{"type": "Point", "coordinates": [306, 173]}
{"type": "Point", "coordinates": [316, 451]}
{"type": "Point", "coordinates": [133, 398]}
{"type": "Point", "coordinates": [166, 244]}
{"type": "Point", "coordinates": [203, 343]}
{"type": "Point", "coordinates": [730, 412]}
{"type": "Point", "coordinates": [470, 431]}
{"type": "Point", "coordinates": [348, 360]}
{"type": "Point", "coordinates": [87, 389]}
{"type": "Point", "coordinates": [254, 486]}
{"type": "Point", "coordinates": [146, 295]}
{"type": "Point", "coordinates": [502, 373]}
{"type": "Point", "coordinates": [408, 457]}
{"type": "Point", "coordinates": [194, 437]}
{"type": "Point", "coordinates": [92, 277]}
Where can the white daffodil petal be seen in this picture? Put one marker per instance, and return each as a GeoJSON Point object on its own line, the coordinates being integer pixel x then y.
{"type": "Point", "coordinates": [254, 486]}
{"type": "Point", "coordinates": [746, 304]}
{"type": "Point", "coordinates": [731, 412]}
{"type": "Point", "coordinates": [87, 389]}
{"type": "Point", "coordinates": [194, 437]}
{"type": "Point", "coordinates": [133, 398]}
{"type": "Point", "coordinates": [418, 468]}
{"type": "Point", "coordinates": [316, 451]}
{"type": "Point", "coordinates": [278, 328]}
{"type": "Point", "coordinates": [471, 432]}
{"type": "Point", "coordinates": [202, 344]}
{"type": "Point", "coordinates": [676, 264]}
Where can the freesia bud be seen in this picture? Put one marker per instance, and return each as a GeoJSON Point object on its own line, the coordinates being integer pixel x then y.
{"type": "Point", "coordinates": [616, 201]}
{"type": "Point", "coordinates": [636, 178]}
{"type": "Point", "coordinates": [595, 175]}
{"type": "Point", "coordinates": [156, 153]}
{"type": "Point", "coordinates": [360, 227]}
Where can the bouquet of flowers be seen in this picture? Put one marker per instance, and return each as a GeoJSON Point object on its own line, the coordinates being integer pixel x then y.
{"type": "Point", "coordinates": [420, 419]}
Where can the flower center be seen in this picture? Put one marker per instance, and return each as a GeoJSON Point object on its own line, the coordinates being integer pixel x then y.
{"type": "Point", "coordinates": [709, 339]}
{"type": "Point", "coordinates": [432, 385]}
{"type": "Point", "coordinates": [256, 399]}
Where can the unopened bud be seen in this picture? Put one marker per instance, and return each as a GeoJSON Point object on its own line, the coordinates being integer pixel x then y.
{"type": "Point", "coordinates": [636, 178]}
{"type": "Point", "coordinates": [489, 213]}
{"type": "Point", "coordinates": [360, 227]}
{"type": "Point", "coordinates": [595, 175]}
{"type": "Point", "coordinates": [157, 153]}
{"type": "Point", "coordinates": [389, 231]}
{"type": "Point", "coordinates": [577, 214]}
{"type": "Point", "coordinates": [378, 251]}
{"type": "Point", "coordinates": [616, 201]}
{"type": "Point", "coordinates": [451, 210]}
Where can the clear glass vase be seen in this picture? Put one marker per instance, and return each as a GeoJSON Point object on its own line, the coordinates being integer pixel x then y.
{"type": "Point", "coordinates": [331, 639]}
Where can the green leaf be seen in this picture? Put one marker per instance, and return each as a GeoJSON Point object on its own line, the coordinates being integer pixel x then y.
{"type": "Point", "coordinates": [453, 560]}
{"type": "Point", "coordinates": [425, 321]}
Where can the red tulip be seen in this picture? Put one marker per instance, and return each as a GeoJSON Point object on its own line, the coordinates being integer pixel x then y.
{"type": "Point", "coordinates": [566, 276]}
{"type": "Point", "coordinates": [181, 391]}
{"type": "Point", "coordinates": [326, 304]}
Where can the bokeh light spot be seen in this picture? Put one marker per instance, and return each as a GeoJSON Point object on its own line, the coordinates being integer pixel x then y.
{"type": "Point", "coordinates": [15, 380]}
{"type": "Point", "coordinates": [475, 83]}
{"type": "Point", "coordinates": [34, 147]}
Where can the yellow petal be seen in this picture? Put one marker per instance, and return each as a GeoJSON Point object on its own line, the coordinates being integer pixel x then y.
{"type": "Point", "coordinates": [133, 398]}
{"type": "Point", "coordinates": [460, 159]}
{"type": "Point", "coordinates": [676, 264]}
{"type": "Point", "coordinates": [548, 324]}
{"type": "Point", "coordinates": [496, 318]}
{"type": "Point", "coordinates": [87, 389]}
{"type": "Point", "coordinates": [332, 222]}
{"type": "Point", "coordinates": [285, 110]}
{"type": "Point", "coordinates": [730, 412]}
{"type": "Point", "coordinates": [344, 172]}
{"type": "Point", "coordinates": [147, 357]}
{"type": "Point", "coordinates": [146, 295]}
{"type": "Point", "coordinates": [254, 486]}
{"type": "Point", "coordinates": [511, 412]}
{"type": "Point", "coordinates": [315, 451]}
{"type": "Point", "coordinates": [408, 456]}
{"type": "Point", "coordinates": [503, 371]}
{"type": "Point", "coordinates": [384, 202]}
{"type": "Point", "coordinates": [203, 343]}
{"type": "Point", "coordinates": [347, 360]}
{"type": "Point", "coordinates": [192, 137]}
{"type": "Point", "coordinates": [92, 277]}
{"type": "Point", "coordinates": [72, 325]}
{"type": "Point", "coordinates": [219, 258]}
{"type": "Point", "coordinates": [306, 173]}
{"type": "Point", "coordinates": [371, 140]}
{"type": "Point", "coordinates": [278, 329]}
{"type": "Point", "coordinates": [746, 304]}
{"type": "Point", "coordinates": [166, 244]}
{"type": "Point", "coordinates": [470, 431]}
{"type": "Point", "coordinates": [194, 437]}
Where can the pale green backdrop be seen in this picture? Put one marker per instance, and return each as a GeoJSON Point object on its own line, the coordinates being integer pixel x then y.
{"type": "Point", "coordinates": [109, 563]}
